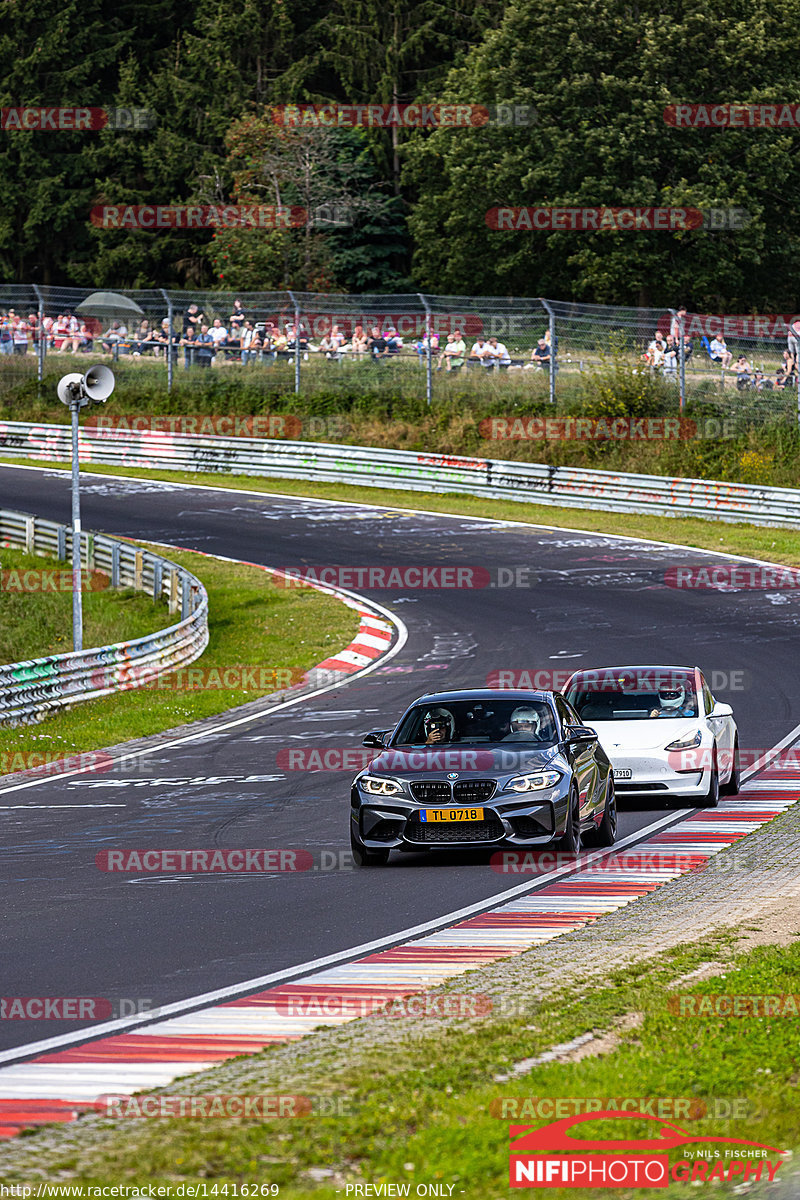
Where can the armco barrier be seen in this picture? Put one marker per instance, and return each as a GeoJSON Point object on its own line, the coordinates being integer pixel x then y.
{"type": "Point", "coordinates": [29, 690]}
{"type": "Point", "coordinates": [403, 469]}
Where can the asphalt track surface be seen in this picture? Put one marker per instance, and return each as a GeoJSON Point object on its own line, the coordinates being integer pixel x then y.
{"type": "Point", "coordinates": [69, 929]}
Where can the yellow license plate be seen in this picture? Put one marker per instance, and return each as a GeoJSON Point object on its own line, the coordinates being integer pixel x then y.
{"type": "Point", "coordinates": [452, 814]}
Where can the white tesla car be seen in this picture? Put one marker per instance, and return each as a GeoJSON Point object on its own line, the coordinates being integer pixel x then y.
{"type": "Point", "coordinates": [662, 730]}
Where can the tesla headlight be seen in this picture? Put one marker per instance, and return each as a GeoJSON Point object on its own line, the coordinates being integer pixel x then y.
{"type": "Point", "coordinates": [375, 785]}
{"type": "Point", "coordinates": [688, 742]}
{"type": "Point", "coordinates": [536, 782]}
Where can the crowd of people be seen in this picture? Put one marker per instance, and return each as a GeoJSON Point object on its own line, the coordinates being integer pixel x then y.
{"type": "Point", "coordinates": [203, 340]}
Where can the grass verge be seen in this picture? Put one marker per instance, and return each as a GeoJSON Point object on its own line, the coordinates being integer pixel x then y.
{"type": "Point", "coordinates": [432, 1112]}
{"type": "Point", "coordinates": [254, 626]}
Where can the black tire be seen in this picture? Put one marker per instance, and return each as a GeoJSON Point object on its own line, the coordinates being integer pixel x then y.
{"type": "Point", "coordinates": [606, 832]}
{"type": "Point", "coordinates": [363, 857]}
{"type": "Point", "coordinates": [711, 798]}
{"type": "Point", "coordinates": [570, 842]}
{"type": "Point", "coordinates": [731, 788]}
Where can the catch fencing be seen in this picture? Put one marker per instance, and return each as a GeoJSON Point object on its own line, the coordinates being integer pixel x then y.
{"type": "Point", "coordinates": [30, 690]}
{"type": "Point", "coordinates": [548, 348]}
{"type": "Point", "coordinates": [535, 483]}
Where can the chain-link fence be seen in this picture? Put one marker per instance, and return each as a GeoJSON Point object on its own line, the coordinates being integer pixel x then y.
{"type": "Point", "coordinates": [413, 344]}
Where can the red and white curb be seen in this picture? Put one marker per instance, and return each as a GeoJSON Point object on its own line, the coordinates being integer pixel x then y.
{"type": "Point", "coordinates": [59, 1086]}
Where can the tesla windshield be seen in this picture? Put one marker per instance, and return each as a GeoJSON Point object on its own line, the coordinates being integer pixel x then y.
{"type": "Point", "coordinates": [476, 721]}
{"type": "Point", "coordinates": [633, 699]}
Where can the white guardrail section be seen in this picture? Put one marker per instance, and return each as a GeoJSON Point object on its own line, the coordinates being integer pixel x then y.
{"type": "Point", "coordinates": [498, 479]}
{"type": "Point", "coordinates": [29, 690]}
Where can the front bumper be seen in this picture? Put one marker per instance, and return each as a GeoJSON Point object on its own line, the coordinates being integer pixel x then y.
{"type": "Point", "coordinates": [392, 822]}
{"type": "Point", "coordinates": [652, 774]}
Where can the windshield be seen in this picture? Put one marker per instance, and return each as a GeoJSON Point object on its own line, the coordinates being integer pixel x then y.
{"type": "Point", "coordinates": [473, 722]}
{"type": "Point", "coordinates": [633, 695]}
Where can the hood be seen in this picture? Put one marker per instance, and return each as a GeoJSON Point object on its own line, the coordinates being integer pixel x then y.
{"type": "Point", "coordinates": [653, 734]}
{"type": "Point", "coordinates": [437, 762]}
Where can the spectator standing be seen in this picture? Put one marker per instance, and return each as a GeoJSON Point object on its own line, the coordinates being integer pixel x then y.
{"type": "Point", "coordinates": [236, 323]}
{"type": "Point", "coordinates": [676, 322]}
{"type": "Point", "coordinates": [206, 347]}
{"type": "Point", "coordinates": [219, 334]}
{"type": "Point", "coordinates": [20, 336]}
{"type": "Point", "coordinates": [6, 335]}
{"type": "Point", "coordinates": [189, 343]}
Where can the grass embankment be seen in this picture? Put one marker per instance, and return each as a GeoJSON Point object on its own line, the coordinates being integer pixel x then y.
{"type": "Point", "coordinates": [254, 625]}
{"type": "Point", "coordinates": [742, 436]}
{"type": "Point", "coordinates": [426, 1109]}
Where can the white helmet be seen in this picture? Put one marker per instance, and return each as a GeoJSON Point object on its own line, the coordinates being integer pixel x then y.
{"type": "Point", "coordinates": [525, 720]}
{"type": "Point", "coordinates": [672, 697]}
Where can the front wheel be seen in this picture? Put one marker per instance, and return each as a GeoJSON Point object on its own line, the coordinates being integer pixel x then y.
{"type": "Point", "coordinates": [570, 842]}
{"type": "Point", "coordinates": [731, 788]}
{"type": "Point", "coordinates": [711, 797]}
{"type": "Point", "coordinates": [363, 857]}
{"type": "Point", "coordinates": [606, 832]}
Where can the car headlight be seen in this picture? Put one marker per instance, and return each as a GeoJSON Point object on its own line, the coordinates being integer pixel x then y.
{"type": "Point", "coordinates": [688, 742]}
{"type": "Point", "coordinates": [536, 782]}
{"type": "Point", "coordinates": [375, 785]}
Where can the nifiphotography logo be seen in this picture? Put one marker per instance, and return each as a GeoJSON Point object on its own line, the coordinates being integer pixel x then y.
{"type": "Point", "coordinates": [632, 1162]}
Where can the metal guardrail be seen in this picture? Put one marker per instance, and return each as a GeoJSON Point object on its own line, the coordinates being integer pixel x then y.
{"type": "Point", "coordinates": [29, 690]}
{"type": "Point", "coordinates": [402, 469]}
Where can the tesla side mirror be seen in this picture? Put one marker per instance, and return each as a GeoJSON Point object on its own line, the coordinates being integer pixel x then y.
{"type": "Point", "coordinates": [721, 710]}
{"type": "Point", "coordinates": [580, 733]}
{"type": "Point", "coordinates": [376, 739]}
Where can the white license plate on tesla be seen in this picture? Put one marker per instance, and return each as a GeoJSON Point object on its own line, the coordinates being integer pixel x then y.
{"type": "Point", "coordinates": [451, 814]}
{"type": "Point", "coordinates": [622, 772]}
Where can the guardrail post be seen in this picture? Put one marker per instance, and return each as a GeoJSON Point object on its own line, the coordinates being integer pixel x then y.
{"type": "Point", "coordinates": [115, 565]}
{"type": "Point", "coordinates": [173, 591]}
{"type": "Point", "coordinates": [185, 596]}
{"type": "Point", "coordinates": [90, 551]}
{"type": "Point", "coordinates": [30, 535]}
{"type": "Point", "coordinates": [158, 574]}
{"type": "Point", "coordinates": [138, 568]}
{"type": "Point", "coordinates": [428, 359]}
{"type": "Point", "coordinates": [168, 299]}
{"type": "Point", "coordinates": [296, 343]}
{"type": "Point", "coordinates": [61, 543]}
{"type": "Point", "coordinates": [552, 326]}
{"type": "Point", "coordinates": [40, 364]}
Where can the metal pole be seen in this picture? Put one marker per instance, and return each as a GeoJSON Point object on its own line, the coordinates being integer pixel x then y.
{"type": "Point", "coordinates": [166, 296]}
{"type": "Point", "coordinates": [682, 361]}
{"type": "Point", "coordinates": [77, 598]}
{"type": "Point", "coordinates": [428, 353]}
{"type": "Point", "coordinates": [40, 364]}
{"type": "Point", "coordinates": [296, 343]}
{"type": "Point", "coordinates": [552, 325]}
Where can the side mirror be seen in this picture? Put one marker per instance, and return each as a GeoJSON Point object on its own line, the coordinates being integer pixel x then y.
{"type": "Point", "coordinates": [376, 739]}
{"type": "Point", "coordinates": [580, 733]}
{"type": "Point", "coordinates": [721, 710]}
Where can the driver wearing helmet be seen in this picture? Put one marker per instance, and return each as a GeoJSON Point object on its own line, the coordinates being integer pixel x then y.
{"type": "Point", "coordinates": [673, 702]}
{"type": "Point", "coordinates": [439, 726]}
{"type": "Point", "coordinates": [525, 725]}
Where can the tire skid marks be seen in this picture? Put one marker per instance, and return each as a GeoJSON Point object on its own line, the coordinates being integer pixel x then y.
{"type": "Point", "coordinates": [59, 1086]}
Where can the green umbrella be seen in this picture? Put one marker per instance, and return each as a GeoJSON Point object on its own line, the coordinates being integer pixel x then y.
{"type": "Point", "coordinates": [109, 304]}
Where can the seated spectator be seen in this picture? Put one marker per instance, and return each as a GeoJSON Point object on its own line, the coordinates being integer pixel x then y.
{"type": "Point", "coordinates": [540, 355]}
{"type": "Point", "coordinates": [85, 339]}
{"type": "Point", "coordinates": [328, 347]}
{"type": "Point", "coordinates": [377, 344]}
{"type": "Point", "coordinates": [453, 353]}
{"type": "Point", "coordinates": [480, 349]}
{"type": "Point", "coordinates": [789, 366]}
{"type": "Point", "coordinates": [206, 347]}
{"type": "Point", "coordinates": [425, 344]}
{"type": "Point", "coordinates": [219, 334]}
{"type": "Point", "coordinates": [497, 355]}
{"type": "Point", "coordinates": [113, 336]}
{"type": "Point", "coordinates": [47, 332]}
{"type": "Point", "coordinates": [337, 338]}
{"type": "Point", "coordinates": [359, 343]}
{"type": "Point", "coordinates": [393, 340]}
{"type": "Point", "coordinates": [189, 343]}
{"type": "Point", "coordinates": [719, 352]}
{"type": "Point", "coordinates": [6, 335]}
{"type": "Point", "coordinates": [744, 372]}
{"type": "Point", "coordinates": [142, 337]}
{"type": "Point", "coordinates": [60, 329]}
{"type": "Point", "coordinates": [761, 383]}
{"type": "Point", "coordinates": [655, 351]}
